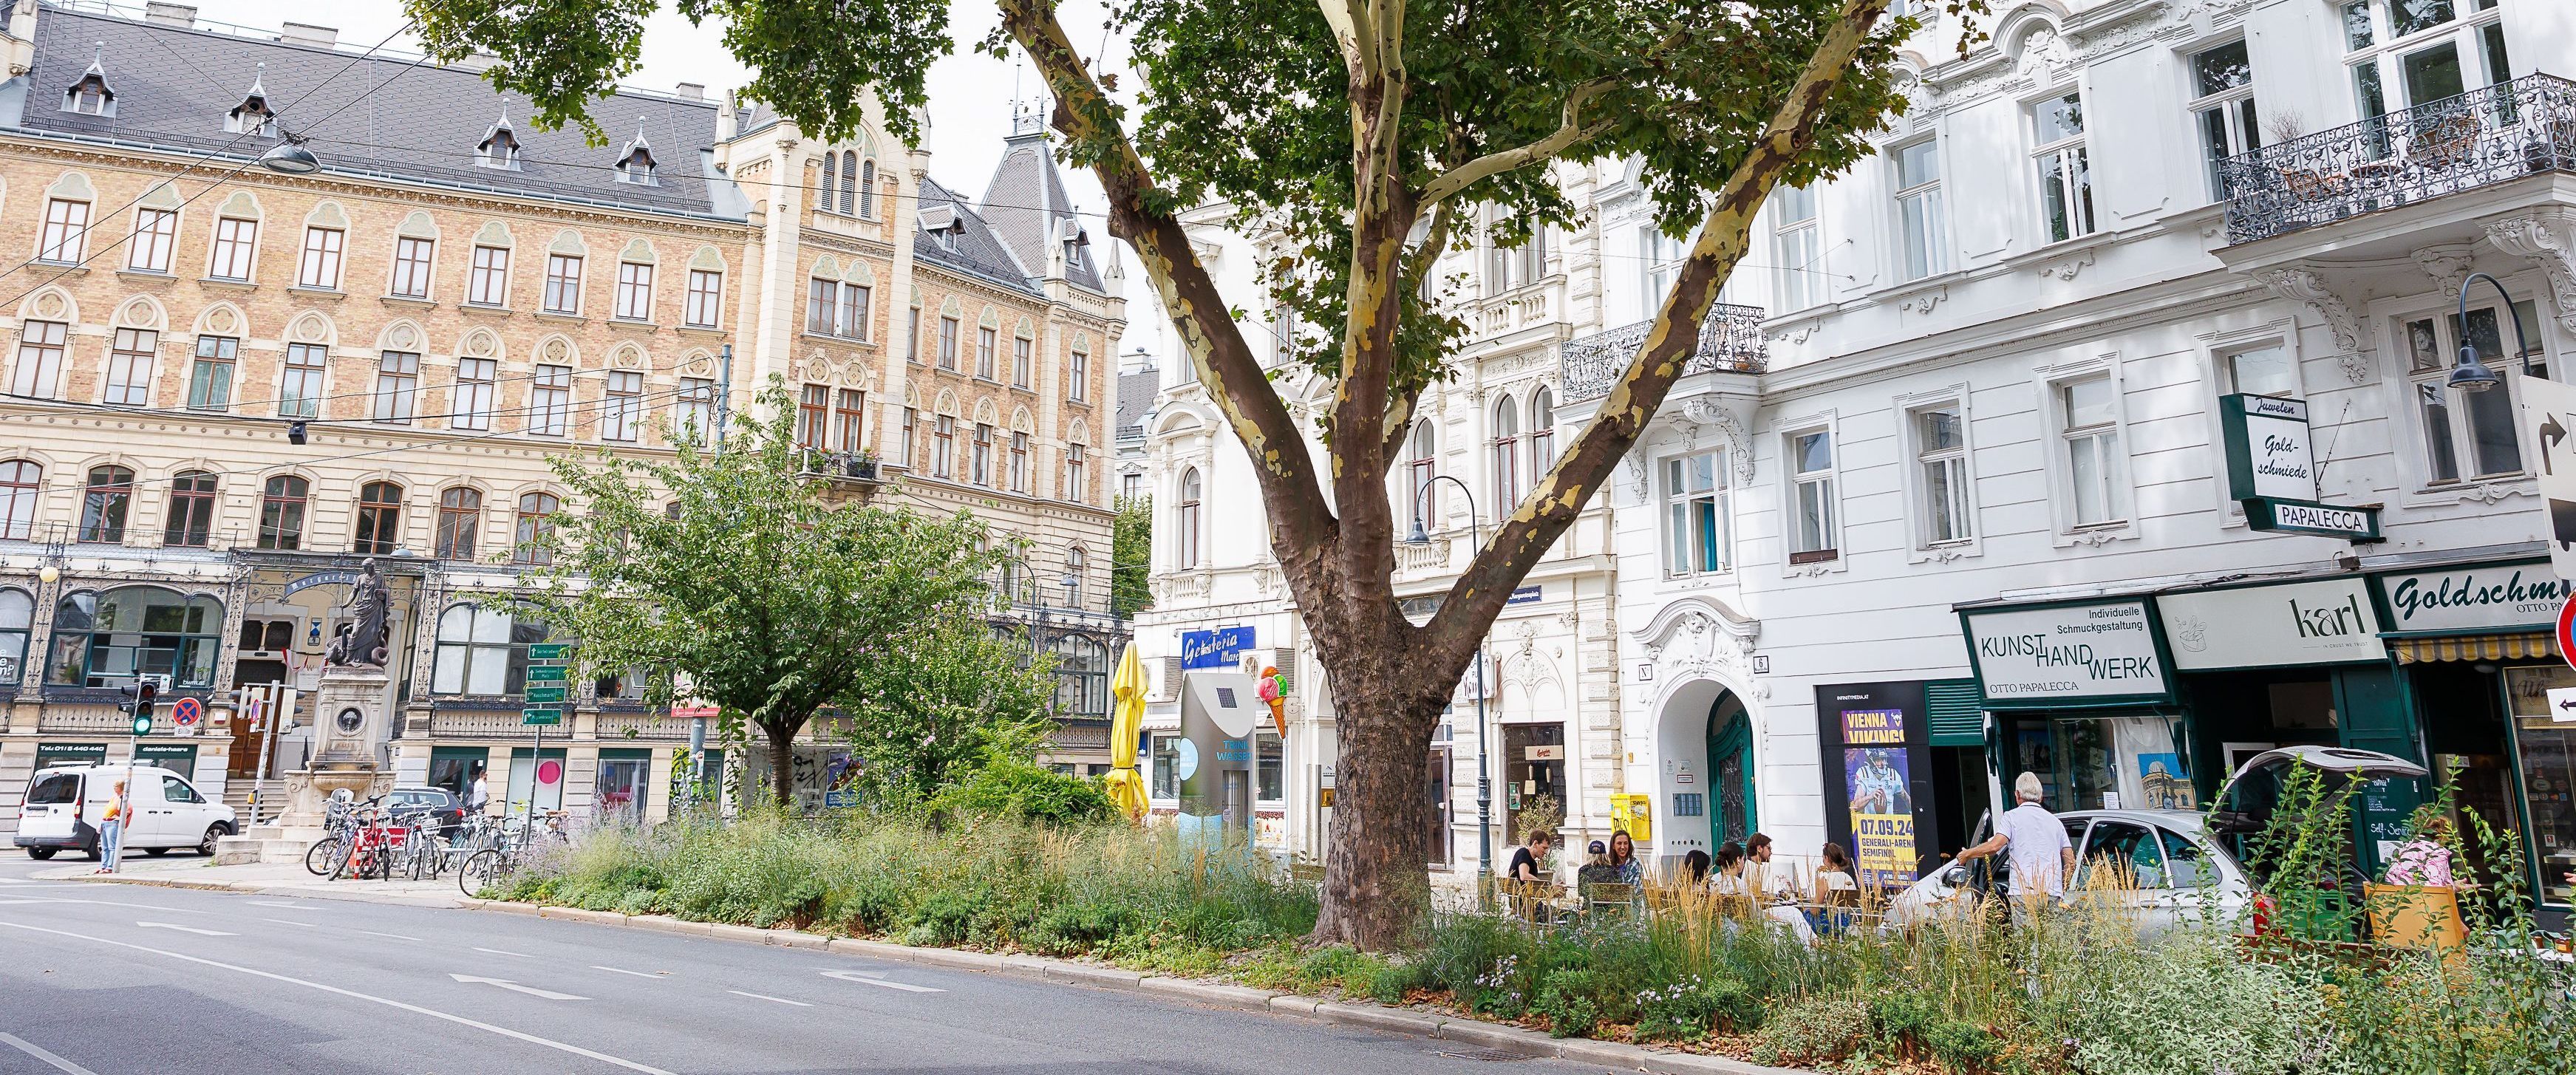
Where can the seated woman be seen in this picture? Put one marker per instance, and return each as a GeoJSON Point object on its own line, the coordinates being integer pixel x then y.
{"type": "Point", "coordinates": [1837, 892]}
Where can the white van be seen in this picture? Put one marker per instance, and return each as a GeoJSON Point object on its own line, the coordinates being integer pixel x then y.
{"type": "Point", "coordinates": [64, 806]}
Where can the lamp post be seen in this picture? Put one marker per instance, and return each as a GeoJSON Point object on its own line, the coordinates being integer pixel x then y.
{"type": "Point", "coordinates": [2472, 375]}
{"type": "Point", "coordinates": [1484, 775]}
{"type": "Point", "coordinates": [290, 157]}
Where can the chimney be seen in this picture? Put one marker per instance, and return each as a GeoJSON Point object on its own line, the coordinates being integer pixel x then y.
{"type": "Point", "coordinates": [694, 91]}
{"type": "Point", "coordinates": [164, 13]}
{"type": "Point", "coordinates": [298, 33]}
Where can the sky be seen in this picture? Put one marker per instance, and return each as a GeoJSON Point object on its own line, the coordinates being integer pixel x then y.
{"type": "Point", "coordinates": [970, 93]}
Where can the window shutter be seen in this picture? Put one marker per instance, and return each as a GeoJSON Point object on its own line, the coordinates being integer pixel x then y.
{"type": "Point", "coordinates": [1956, 710]}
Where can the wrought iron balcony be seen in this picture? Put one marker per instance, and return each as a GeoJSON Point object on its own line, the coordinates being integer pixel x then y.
{"type": "Point", "coordinates": [1729, 341]}
{"type": "Point", "coordinates": [2481, 138]}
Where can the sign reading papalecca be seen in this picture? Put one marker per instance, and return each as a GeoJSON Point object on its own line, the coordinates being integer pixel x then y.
{"type": "Point", "coordinates": [2071, 653]}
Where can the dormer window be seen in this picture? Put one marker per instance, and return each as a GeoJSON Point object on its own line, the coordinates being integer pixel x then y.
{"type": "Point", "coordinates": [253, 115]}
{"type": "Point", "coordinates": [944, 225]}
{"type": "Point", "coordinates": [91, 96]}
{"type": "Point", "coordinates": [499, 147]}
{"type": "Point", "coordinates": [635, 164]}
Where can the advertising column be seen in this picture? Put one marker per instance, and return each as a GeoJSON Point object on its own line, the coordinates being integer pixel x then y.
{"type": "Point", "coordinates": [1873, 798]}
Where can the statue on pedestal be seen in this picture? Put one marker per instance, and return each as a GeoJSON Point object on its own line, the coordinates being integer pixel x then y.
{"type": "Point", "coordinates": [361, 642]}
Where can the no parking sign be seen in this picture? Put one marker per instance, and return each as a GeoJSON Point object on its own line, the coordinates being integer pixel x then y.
{"type": "Point", "coordinates": [186, 712]}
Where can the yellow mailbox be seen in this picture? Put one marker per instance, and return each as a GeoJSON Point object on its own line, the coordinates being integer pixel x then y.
{"type": "Point", "coordinates": [1633, 814]}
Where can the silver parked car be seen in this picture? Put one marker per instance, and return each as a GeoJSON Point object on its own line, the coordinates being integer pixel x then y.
{"type": "Point", "coordinates": [2169, 869]}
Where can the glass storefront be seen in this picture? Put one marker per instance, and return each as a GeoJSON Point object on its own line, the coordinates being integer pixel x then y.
{"type": "Point", "coordinates": [620, 792]}
{"type": "Point", "coordinates": [2544, 750]}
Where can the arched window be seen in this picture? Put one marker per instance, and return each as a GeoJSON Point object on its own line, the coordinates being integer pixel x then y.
{"type": "Point", "coordinates": [379, 518]}
{"type": "Point", "coordinates": [831, 179]}
{"type": "Point", "coordinates": [1422, 463]}
{"type": "Point", "coordinates": [868, 188]}
{"type": "Point", "coordinates": [460, 515]}
{"type": "Point", "coordinates": [20, 481]}
{"type": "Point", "coordinates": [281, 512]}
{"type": "Point", "coordinates": [17, 617]}
{"type": "Point", "coordinates": [1185, 519]}
{"type": "Point", "coordinates": [1507, 455]}
{"type": "Point", "coordinates": [482, 650]}
{"type": "Point", "coordinates": [106, 639]}
{"type": "Point", "coordinates": [1081, 677]}
{"type": "Point", "coordinates": [1073, 566]}
{"type": "Point", "coordinates": [1542, 433]}
{"type": "Point", "coordinates": [536, 523]}
{"type": "Point", "coordinates": [104, 499]}
{"type": "Point", "coordinates": [191, 518]}
{"type": "Point", "coordinates": [849, 182]}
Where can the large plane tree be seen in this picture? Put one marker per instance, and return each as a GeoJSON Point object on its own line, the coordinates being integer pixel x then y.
{"type": "Point", "coordinates": [1364, 138]}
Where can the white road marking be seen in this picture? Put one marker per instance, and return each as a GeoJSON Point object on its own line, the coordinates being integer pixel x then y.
{"type": "Point", "coordinates": [289, 904]}
{"type": "Point", "coordinates": [396, 936]}
{"type": "Point", "coordinates": [517, 988]}
{"type": "Point", "coordinates": [187, 929]}
{"type": "Point", "coordinates": [32, 1049]}
{"type": "Point", "coordinates": [498, 952]}
{"type": "Point", "coordinates": [292, 922]}
{"type": "Point", "coordinates": [433, 1013]}
{"type": "Point", "coordinates": [765, 996]}
{"type": "Point", "coordinates": [864, 978]}
{"type": "Point", "coordinates": [619, 970]}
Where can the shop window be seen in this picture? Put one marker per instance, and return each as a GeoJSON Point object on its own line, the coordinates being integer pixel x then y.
{"type": "Point", "coordinates": [1270, 769]}
{"type": "Point", "coordinates": [1166, 755]}
{"type": "Point", "coordinates": [107, 639]}
{"type": "Point", "coordinates": [17, 618]}
{"type": "Point", "coordinates": [482, 650]}
{"type": "Point", "coordinates": [2546, 750]}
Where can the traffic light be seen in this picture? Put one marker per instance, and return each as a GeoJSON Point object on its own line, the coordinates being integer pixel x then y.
{"type": "Point", "coordinates": [147, 692]}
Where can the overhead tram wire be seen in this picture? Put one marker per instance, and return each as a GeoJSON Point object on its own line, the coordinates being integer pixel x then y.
{"type": "Point", "coordinates": [229, 409]}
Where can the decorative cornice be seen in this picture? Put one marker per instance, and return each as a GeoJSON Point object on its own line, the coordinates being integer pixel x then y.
{"type": "Point", "coordinates": [2547, 239]}
{"type": "Point", "coordinates": [2306, 285]}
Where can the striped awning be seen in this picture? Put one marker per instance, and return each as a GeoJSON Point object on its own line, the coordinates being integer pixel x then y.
{"type": "Point", "coordinates": [2473, 647]}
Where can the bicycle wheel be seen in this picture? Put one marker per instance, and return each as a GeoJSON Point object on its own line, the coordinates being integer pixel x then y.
{"type": "Point", "coordinates": [484, 869]}
{"type": "Point", "coordinates": [323, 858]}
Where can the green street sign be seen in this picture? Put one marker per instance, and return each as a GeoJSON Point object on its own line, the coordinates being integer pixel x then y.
{"type": "Point", "coordinates": [549, 651]}
{"type": "Point", "coordinates": [143, 725]}
{"type": "Point", "coordinates": [543, 715]}
{"type": "Point", "coordinates": [546, 674]}
{"type": "Point", "coordinates": [545, 694]}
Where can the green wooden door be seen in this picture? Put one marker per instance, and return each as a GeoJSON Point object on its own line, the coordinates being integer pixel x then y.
{"type": "Point", "coordinates": [2371, 714]}
{"type": "Point", "coordinates": [1730, 769]}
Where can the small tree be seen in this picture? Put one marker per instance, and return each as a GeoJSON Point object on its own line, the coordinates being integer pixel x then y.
{"type": "Point", "coordinates": [738, 570]}
{"type": "Point", "coordinates": [1131, 550]}
{"type": "Point", "coordinates": [955, 696]}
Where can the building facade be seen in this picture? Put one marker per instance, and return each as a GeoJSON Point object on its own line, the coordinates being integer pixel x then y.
{"type": "Point", "coordinates": [230, 386]}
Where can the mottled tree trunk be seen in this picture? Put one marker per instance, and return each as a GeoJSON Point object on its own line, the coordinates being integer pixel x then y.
{"type": "Point", "coordinates": [782, 761]}
{"type": "Point", "coordinates": [1388, 691]}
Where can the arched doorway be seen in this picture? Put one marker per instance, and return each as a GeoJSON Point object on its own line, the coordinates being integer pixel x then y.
{"type": "Point", "coordinates": [1732, 812]}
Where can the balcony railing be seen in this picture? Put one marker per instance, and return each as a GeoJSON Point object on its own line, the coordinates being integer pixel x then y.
{"type": "Point", "coordinates": [1729, 341]}
{"type": "Point", "coordinates": [2484, 137]}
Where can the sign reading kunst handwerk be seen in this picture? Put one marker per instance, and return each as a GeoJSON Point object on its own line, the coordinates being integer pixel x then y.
{"type": "Point", "coordinates": [2067, 655]}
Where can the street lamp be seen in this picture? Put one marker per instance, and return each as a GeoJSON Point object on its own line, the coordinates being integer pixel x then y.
{"type": "Point", "coordinates": [1484, 776]}
{"type": "Point", "coordinates": [290, 157]}
{"type": "Point", "coordinates": [2472, 375]}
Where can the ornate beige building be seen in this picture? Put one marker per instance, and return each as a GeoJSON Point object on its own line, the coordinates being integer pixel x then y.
{"type": "Point", "coordinates": [227, 385]}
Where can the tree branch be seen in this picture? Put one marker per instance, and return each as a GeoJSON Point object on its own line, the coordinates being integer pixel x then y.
{"type": "Point", "coordinates": [1418, 265]}
{"type": "Point", "coordinates": [1568, 134]}
{"type": "Point", "coordinates": [1348, 25]}
{"type": "Point", "coordinates": [1541, 517]}
{"type": "Point", "coordinates": [1226, 366]}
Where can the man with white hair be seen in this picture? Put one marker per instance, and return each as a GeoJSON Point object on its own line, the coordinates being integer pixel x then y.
{"type": "Point", "coordinates": [2042, 857]}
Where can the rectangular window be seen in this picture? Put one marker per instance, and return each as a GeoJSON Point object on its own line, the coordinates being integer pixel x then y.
{"type": "Point", "coordinates": [1166, 754]}
{"type": "Point", "coordinates": [912, 334]}
{"type": "Point", "coordinates": [1020, 463]}
{"type": "Point", "coordinates": [1795, 243]}
{"type": "Point", "coordinates": [1077, 480]}
{"type": "Point", "coordinates": [1269, 769]}
{"type": "Point", "coordinates": [563, 284]}
{"type": "Point", "coordinates": [460, 514]}
{"type": "Point", "coordinates": [943, 445]}
{"type": "Point", "coordinates": [210, 379]}
{"type": "Point", "coordinates": [192, 511]}
{"type": "Point", "coordinates": [1941, 454]}
{"type": "Point", "coordinates": [1659, 257]}
{"type": "Point", "coordinates": [1698, 513]}
{"type": "Point", "coordinates": [488, 284]}
{"type": "Point", "coordinates": [40, 358]}
{"type": "Point", "coordinates": [705, 305]}
{"type": "Point", "coordinates": [2090, 408]}
{"type": "Point", "coordinates": [2065, 177]}
{"type": "Point", "coordinates": [1811, 529]}
{"type": "Point", "coordinates": [634, 291]}
{"type": "Point", "coordinates": [1021, 360]}
{"type": "Point", "coordinates": [948, 343]}
{"type": "Point", "coordinates": [1079, 389]}
{"type": "Point", "coordinates": [2264, 371]}
{"type": "Point", "coordinates": [2222, 108]}
{"type": "Point", "coordinates": [320, 266]}
{"type": "Point", "coordinates": [984, 346]}
{"type": "Point", "coordinates": [299, 390]}
{"type": "Point", "coordinates": [550, 401]}
{"type": "Point", "coordinates": [813, 416]}
{"type": "Point", "coordinates": [695, 417]}
{"type": "Point", "coordinates": [849, 412]}
{"type": "Point", "coordinates": [623, 410]}
{"type": "Point", "coordinates": [412, 261]}
{"type": "Point", "coordinates": [983, 474]}
{"type": "Point", "coordinates": [474, 384]}
{"type": "Point", "coordinates": [235, 241]}
{"type": "Point", "coordinates": [854, 311]}
{"type": "Point", "coordinates": [129, 367]}
{"type": "Point", "coordinates": [1919, 217]}
{"type": "Point", "coordinates": [911, 430]}
{"type": "Point", "coordinates": [397, 380]}
{"type": "Point", "coordinates": [66, 238]}
{"type": "Point", "coordinates": [822, 306]}
{"type": "Point", "coordinates": [156, 233]}
{"type": "Point", "coordinates": [2470, 434]}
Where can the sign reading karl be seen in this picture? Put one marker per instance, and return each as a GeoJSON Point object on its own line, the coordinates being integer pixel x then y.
{"type": "Point", "coordinates": [2272, 471]}
{"type": "Point", "coordinates": [2548, 416]}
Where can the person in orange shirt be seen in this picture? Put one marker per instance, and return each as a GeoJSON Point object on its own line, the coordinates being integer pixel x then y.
{"type": "Point", "coordinates": [111, 829]}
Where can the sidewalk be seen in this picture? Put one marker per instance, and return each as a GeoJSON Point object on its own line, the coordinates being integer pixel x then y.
{"type": "Point", "coordinates": [270, 878]}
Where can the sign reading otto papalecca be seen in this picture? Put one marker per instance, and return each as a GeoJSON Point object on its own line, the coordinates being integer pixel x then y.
{"type": "Point", "coordinates": [2067, 654]}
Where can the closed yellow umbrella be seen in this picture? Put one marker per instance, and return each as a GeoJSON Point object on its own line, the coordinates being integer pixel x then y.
{"type": "Point", "coordinates": [1126, 722]}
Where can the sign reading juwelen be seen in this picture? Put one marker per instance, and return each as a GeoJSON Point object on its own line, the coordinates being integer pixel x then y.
{"type": "Point", "coordinates": [2329, 621]}
{"type": "Point", "coordinates": [2272, 474]}
{"type": "Point", "coordinates": [2035, 658]}
{"type": "Point", "coordinates": [1882, 804]}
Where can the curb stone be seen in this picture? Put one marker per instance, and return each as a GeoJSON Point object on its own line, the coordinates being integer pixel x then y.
{"type": "Point", "coordinates": [1221, 995]}
{"type": "Point", "coordinates": [1395, 1019]}
{"type": "Point", "coordinates": [1088, 974]}
{"type": "Point", "coordinates": [1496, 1036]}
{"type": "Point", "coordinates": [1291, 1002]}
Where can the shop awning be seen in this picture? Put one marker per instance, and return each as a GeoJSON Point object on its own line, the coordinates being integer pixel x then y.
{"type": "Point", "coordinates": [2473, 647]}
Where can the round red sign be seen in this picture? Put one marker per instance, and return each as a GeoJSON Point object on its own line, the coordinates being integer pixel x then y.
{"type": "Point", "coordinates": [2567, 631]}
{"type": "Point", "coordinates": [185, 712]}
{"type": "Point", "coordinates": [549, 772]}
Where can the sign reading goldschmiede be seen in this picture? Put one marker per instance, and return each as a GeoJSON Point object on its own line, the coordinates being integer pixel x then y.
{"type": "Point", "coordinates": [2472, 599]}
{"type": "Point", "coordinates": [2067, 655]}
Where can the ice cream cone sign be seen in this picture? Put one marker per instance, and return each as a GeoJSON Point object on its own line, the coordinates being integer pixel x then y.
{"type": "Point", "coordinates": [1274, 690]}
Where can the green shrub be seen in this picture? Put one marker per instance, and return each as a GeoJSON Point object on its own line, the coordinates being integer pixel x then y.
{"type": "Point", "coordinates": [1812, 1032]}
{"type": "Point", "coordinates": [1071, 928]}
{"type": "Point", "coordinates": [948, 915]}
{"type": "Point", "coordinates": [1685, 1011]}
{"type": "Point", "coordinates": [1961, 1046]}
{"type": "Point", "coordinates": [1900, 1017]}
{"type": "Point", "coordinates": [1026, 791]}
{"type": "Point", "coordinates": [1390, 982]}
{"type": "Point", "coordinates": [1565, 998]}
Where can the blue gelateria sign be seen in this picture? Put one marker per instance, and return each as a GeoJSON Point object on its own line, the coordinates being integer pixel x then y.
{"type": "Point", "coordinates": [1215, 649]}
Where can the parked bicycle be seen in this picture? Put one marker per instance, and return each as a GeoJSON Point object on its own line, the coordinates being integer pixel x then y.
{"type": "Point", "coordinates": [340, 832]}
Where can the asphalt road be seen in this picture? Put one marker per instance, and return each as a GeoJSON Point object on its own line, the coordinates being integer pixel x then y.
{"type": "Point", "coordinates": [125, 980]}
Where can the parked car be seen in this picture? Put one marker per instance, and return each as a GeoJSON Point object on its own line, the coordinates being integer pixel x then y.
{"type": "Point", "coordinates": [2172, 866]}
{"type": "Point", "coordinates": [435, 807]}
{"type": "Point", "coordinates": [65, 804]}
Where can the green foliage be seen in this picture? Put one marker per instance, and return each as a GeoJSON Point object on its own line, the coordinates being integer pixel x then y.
{"type": "Point", "coordinates": [1812, 1032]}
{"type": "Point", "coordinates": [1565, 998]}
{"type": "Point", "coordinates": [1013, 788]}
{"type": "Point", "coordinates": [953, 699]}
{"type": "Point", "coordinates": [1131, 551]}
